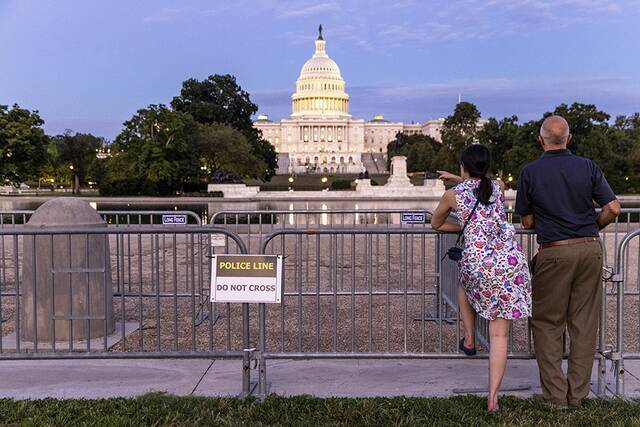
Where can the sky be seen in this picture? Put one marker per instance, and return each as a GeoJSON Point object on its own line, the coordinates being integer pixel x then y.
{"type": "Point", "coordinates": [88, 66]}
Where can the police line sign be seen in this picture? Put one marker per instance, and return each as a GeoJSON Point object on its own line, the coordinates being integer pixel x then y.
{"type": "Point", "coordinates": [246, 278]}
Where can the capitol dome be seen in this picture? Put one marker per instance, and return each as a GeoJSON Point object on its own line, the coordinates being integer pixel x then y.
{"type": "Point", "coordinates": [320, 87]}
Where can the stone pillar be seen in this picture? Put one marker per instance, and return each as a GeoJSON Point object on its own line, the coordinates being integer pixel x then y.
{"type": "Point", "coordinates": [66, 279]}
{"type": "Point", "coordinates": [434, 187]}
{"type": "Point", "coordinates": [398, 176]}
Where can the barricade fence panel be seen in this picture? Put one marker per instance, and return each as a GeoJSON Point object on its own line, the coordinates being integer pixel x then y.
{"type": "Point", "coordinates": [113, 218]}
{"type": "Point", "coordinates": [146, 286]}
{"type": "Point", "coordinates": [368, 291]}
{"type": "Point", "coordinates": [254, 225]}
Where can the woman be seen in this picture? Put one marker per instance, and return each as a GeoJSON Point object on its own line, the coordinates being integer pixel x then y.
{"type": "Point", "coordinates": [494, 277]}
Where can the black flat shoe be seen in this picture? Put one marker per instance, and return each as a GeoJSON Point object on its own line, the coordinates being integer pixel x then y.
{"type": "Point", "coordinates": [468, 351]}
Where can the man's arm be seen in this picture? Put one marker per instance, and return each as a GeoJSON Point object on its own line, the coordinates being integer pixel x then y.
{"type": "Point", "coordinates": [608, 214]}
{"type": "Point", "coordinates": [605, 197]}
{"type": "Point", "coordinates": [528, 221]}
{"type": "Point", "coordinates": [524, 204]}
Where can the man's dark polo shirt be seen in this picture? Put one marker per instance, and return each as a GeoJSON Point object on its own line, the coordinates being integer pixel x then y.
{"type": "Point", "coordinates": [559, 189]}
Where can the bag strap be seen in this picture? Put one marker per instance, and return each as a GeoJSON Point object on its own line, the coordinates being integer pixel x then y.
{"type": "Point", "coordinates": [461, 233]}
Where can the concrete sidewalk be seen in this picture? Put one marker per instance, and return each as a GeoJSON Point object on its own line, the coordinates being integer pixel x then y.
{"type": "Point", "coordinates": [93, 379]}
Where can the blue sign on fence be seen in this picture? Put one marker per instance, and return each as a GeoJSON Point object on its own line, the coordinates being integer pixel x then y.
{"type": "Point", "coordinates": [413, 217]}
{"type": "Point", "coordinates": [174, 219]}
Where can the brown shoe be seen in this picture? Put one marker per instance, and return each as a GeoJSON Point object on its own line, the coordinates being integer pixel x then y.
{"type": "Point", "coordinates": [561, 406]}
{"type": "Point", "coordinates": [575, 404]}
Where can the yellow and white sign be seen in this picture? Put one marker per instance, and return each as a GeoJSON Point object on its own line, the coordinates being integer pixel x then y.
{"type": "Point", "coordinates": [246, 278]}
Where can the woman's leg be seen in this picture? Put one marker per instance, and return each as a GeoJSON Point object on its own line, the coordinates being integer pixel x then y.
{"type": "Point", "coordinates": [498, 342]}
{"type": "Point", "coordinates": [468, 318]}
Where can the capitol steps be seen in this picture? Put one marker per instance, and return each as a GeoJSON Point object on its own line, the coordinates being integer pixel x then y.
{"type": "Point", "coordinates": [374, 163]}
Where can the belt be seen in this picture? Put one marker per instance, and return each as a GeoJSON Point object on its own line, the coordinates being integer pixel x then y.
{"type": "Point", "coordinates": [575, 241]}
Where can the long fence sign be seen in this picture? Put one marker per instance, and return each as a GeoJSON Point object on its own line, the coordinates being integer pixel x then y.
{"type": "Point", "coordinates": [174, 219]}
{"type": "Point", "coordinates": [413, 217]}
{"type": "Point", "coordinates": [246, 278]}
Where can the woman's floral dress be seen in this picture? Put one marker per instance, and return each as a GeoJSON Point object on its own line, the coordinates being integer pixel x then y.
{"type": "Point", "coordinates": [493, 269]}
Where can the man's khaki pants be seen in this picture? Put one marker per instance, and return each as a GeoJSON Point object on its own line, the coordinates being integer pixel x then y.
{"type": "Point", "coordinates": [566, 293]}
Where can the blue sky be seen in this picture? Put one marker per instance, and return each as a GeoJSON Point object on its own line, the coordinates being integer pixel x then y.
{"type": "Point", "coordinates": [89, 66]}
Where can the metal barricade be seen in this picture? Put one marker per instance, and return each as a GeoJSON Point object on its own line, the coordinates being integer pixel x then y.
{"type": "Point", "coordinates": [254, 225]}
{"type": "Point", "coordinates": [624, 279]}
{"type": "Point", "coordinates": [114, 218]}
{"type": "Point", "coordinates": [14, 217]}
{"type": "Point", "coordinates": [361, 297]}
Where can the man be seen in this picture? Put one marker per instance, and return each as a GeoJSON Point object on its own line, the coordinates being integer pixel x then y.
{"type": "Point", "coordinates": [555, 197]}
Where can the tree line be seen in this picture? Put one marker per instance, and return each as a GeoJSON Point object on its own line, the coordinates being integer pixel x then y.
{"type": "Point", "coordinates": [205, 134]}
{"type": "Point", "coordinates": [613, 144]}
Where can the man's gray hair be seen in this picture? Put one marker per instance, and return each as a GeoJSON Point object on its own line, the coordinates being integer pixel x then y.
{"type": "Point", "coordinates": [554, 130]}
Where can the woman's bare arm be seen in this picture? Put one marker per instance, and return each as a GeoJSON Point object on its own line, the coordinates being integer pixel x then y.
{"type": "Point", "coordinates": [439, 217]}
{"type": "Point", "coordinates": [448, 176]}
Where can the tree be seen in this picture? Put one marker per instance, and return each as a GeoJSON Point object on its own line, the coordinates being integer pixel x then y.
{"type": "Point", "coordinates": [499, 137]}
{"type": "Point", "coordinates": [155, 154]}
{"type": "Point", "coordinates": [23, 144]}
{"type": "Point", "coordinates": [219, 99]}
{"type": "Point", "coordinates": [420, 151]}
{"type": "Point", "coordinates": [458, 132]}
{"type": "Point", "coordinates": [78, 152]}
{"type": "Point", "coordinates": [225, 149]}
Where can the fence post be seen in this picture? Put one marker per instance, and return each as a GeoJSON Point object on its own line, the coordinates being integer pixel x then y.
{"type": "Point", "coordinates": [602, 364]}
{"type": "Point", "coordinates": [246, 352]}
{"type": "Point", "coordinates": [618, 361]}
{"type": "Point", "coordinates": [262, 365]}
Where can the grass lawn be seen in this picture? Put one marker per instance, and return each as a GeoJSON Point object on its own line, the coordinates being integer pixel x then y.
{"type": "Point", "coordinates": [161, 410]}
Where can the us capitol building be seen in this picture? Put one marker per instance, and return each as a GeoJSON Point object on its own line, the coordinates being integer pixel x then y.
{"type": "Point", "coordinates": [321, 136]}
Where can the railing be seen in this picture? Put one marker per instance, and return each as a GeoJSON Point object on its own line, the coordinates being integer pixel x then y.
{"type": "Point", "coordinates": [254, 225]}
{"type": "Point", "coordinates": [115, 218]}
{"type": "Point", "coordinates": [626, 310]}
{"type": "Point", "coordinates": [369, 290]}
{"type": "Point", "coordinates": [361, 297]}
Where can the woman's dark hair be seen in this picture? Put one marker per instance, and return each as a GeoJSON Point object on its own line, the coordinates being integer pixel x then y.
{"type": "Point", "coordinates": [476, 160]}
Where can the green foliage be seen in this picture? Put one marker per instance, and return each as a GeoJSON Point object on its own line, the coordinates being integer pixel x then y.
{"type": "Point", "coordinates": [223, 148]}
{"type": "Point", "coordinates": [458, 132]}
{"type": "Point", "coordinates": [219, 99]}
{"type": "Point", "coordinates": [421, 151]}
{"type": "Point", "coordinates": [78, 154]}
{"type": "Point", "coordinates": [166, 410]}
{"type": "Point", "coordinates": [341, 184]}
{"type": "Point", "coordinates": [615, 147]}
{"type": "Point", "coordinates": [23, 145]}
{"type": "Point", "coordinates": [154, 154]}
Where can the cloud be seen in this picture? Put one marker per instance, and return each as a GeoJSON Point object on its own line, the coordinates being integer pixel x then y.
{"type": "Point", "coordinates": [436, 21]}
{"type": "Point", "coordinates": [310, 9]}
{"type": "Point", "coordinates": [169, 14]}
{"type": "Point", "coordinates": [164, 15]}
{"type": "Point", "coordinates": [528, 99]}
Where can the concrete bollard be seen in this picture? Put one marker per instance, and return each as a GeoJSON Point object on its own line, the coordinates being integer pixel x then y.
{"type": "Point", "coordinates": [66, 290]}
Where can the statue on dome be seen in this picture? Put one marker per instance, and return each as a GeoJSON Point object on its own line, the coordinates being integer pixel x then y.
{"type": "Point", "coordinates": [320, 32]}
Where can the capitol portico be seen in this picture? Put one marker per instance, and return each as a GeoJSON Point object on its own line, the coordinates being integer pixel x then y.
{"type": "Point", "coordinates": [320, 136]}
